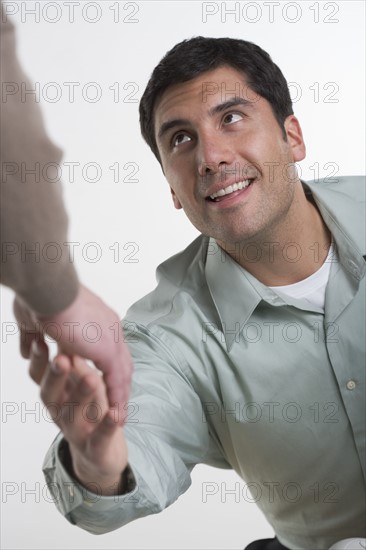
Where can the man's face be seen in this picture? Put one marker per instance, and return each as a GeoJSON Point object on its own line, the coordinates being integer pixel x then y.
{"type": "Point", "coordinates": [215, 135]}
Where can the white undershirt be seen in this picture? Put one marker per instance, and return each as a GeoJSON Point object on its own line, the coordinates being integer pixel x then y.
{"type": "Point", "coordinates": [311, 289]}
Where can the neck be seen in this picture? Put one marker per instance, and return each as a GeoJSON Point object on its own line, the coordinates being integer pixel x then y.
{"type": "Point", "coordinates": [288, 253]}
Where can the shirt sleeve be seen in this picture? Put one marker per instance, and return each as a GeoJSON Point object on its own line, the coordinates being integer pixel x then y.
{"type": "Point", "coordinates": [166, 436]}
{"type": "Point", "coordinates": [35, 260]}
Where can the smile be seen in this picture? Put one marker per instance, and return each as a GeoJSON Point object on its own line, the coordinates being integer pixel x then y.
{"type": "Point", "coordinates": [231, 189]}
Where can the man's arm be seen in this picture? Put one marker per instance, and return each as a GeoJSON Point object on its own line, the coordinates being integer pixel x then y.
{"type": "Point", "coordinates": [166, 435]}
{"type": "Point", "coordinates": [32, 210]}
{"type": "Point", "coordinates": [33, 225]}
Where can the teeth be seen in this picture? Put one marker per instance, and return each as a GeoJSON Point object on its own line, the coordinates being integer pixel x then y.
{"type": "Point", "coordinates": [231, 189]}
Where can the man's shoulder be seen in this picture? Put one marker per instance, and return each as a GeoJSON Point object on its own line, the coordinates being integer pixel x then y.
{"type": "Point", "coordinates": [342, 206]}
{"type": "Point", "coordinates": [352, 188]}
{"type": "Point", "coordinates": [180, 278]}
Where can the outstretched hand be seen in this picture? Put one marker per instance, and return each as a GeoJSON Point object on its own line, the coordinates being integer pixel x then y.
{"type": "Point", "coordinates": [90, 329]}
{"type": "Point", "coordinates": [75, 396]}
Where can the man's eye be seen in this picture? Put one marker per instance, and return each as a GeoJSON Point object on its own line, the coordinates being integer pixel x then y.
{"type": "Point", "coordinates": [180, 138]}
{"type": "Point", "coordinates": [230, 118]}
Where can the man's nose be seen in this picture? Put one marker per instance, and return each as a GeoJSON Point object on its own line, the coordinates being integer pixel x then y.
{"type": "Point", "coordinates": [213, 154]}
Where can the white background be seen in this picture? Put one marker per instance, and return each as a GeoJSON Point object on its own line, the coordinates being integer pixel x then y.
{"type": "Point", "coordinates": [318, 56]}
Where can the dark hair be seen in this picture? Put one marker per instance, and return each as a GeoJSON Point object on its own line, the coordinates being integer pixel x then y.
{"type": "Point", "coordinates": [192, 57]}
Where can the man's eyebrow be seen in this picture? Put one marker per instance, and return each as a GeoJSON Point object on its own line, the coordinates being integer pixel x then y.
{"type": "Point", "coordinates": [233, 102]}
{"type": "Point", "coordinates": [171, 124]}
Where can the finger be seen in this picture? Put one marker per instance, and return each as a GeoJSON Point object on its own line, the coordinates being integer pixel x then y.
{"type": "Point", "coordinates": [79, 368]}
{"type": "Point", "coordinates": [27, 327]}
{"type": "Point", "coordinates": [53, 385]}
{"type": "Point", "coordinates": [117, 376]}
{"type": "Point", "coordinates": [25, 344]}
{"type": "Point", "coordinates": [38, 361]}
{"type": "Point", "coordinates": [102, 434]}
{"type": "Point", "coordinates": [89, 406]}
{"type": "Point", "coordinates": [27, 337]}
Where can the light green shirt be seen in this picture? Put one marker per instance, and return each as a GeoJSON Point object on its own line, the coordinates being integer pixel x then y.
{"type": "Point", "coordinates": [230, 374]}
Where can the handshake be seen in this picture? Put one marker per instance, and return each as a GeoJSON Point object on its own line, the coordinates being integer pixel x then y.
{"type": "Point", "coordinates": [97, 445]}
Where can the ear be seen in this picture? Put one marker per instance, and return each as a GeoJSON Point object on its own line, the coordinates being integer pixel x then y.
{"type": "Point", "coordinates": [176, 202]}
{"type": "Point", "coordinates": [294, 138]}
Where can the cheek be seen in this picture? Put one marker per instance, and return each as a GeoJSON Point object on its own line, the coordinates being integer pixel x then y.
{"type": "Point", "coordinates": [181, 181]}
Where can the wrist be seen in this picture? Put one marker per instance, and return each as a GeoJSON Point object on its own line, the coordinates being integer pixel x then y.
{"type": "Point", "coordinates": [99, 482]}
{"type": "Point", "coordinates": [96, 483]}
{"type": "Point", "coordinates": [92, 478]}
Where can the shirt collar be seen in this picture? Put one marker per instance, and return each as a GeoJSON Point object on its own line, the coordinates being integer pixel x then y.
{"type": "Point", "coordinates": [236, 293]}
{"type": "Point", "coordinates": [344, 217]}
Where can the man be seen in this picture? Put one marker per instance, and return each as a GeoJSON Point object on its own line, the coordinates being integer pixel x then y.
{"type": "Point", "coordinates": [249, 353]}
{"type": "Point", "coordinates": [35, 261]}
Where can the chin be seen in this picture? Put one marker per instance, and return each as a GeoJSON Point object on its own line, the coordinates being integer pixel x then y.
{"type": "Point", "coordinates": [236, 237]}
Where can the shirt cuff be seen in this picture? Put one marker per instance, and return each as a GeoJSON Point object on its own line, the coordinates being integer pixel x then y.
{"type": "Point", "coordinates": [79, 505]}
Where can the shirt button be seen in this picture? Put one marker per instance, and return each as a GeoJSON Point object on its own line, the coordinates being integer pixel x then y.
{"type": "Point", "coordinates": [351, 384]}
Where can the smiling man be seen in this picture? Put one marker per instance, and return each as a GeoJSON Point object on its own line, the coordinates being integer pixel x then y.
{"type": "Point", "coordinates": [231, 168]}
{"type": "Point", "coordinates": [249, 354]}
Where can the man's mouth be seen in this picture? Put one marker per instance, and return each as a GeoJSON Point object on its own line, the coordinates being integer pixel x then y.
{"type": "Point", "coordinates": [217, 197]}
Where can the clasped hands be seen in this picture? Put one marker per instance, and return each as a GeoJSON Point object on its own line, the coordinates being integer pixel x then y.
{"type": "Point", "coordinates": [82, 400]}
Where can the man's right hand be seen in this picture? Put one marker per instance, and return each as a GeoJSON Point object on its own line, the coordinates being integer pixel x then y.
{"type": "Point", "coordinates": [75, 395]}
{"type": "Point", "coordinates": [104, 344]}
